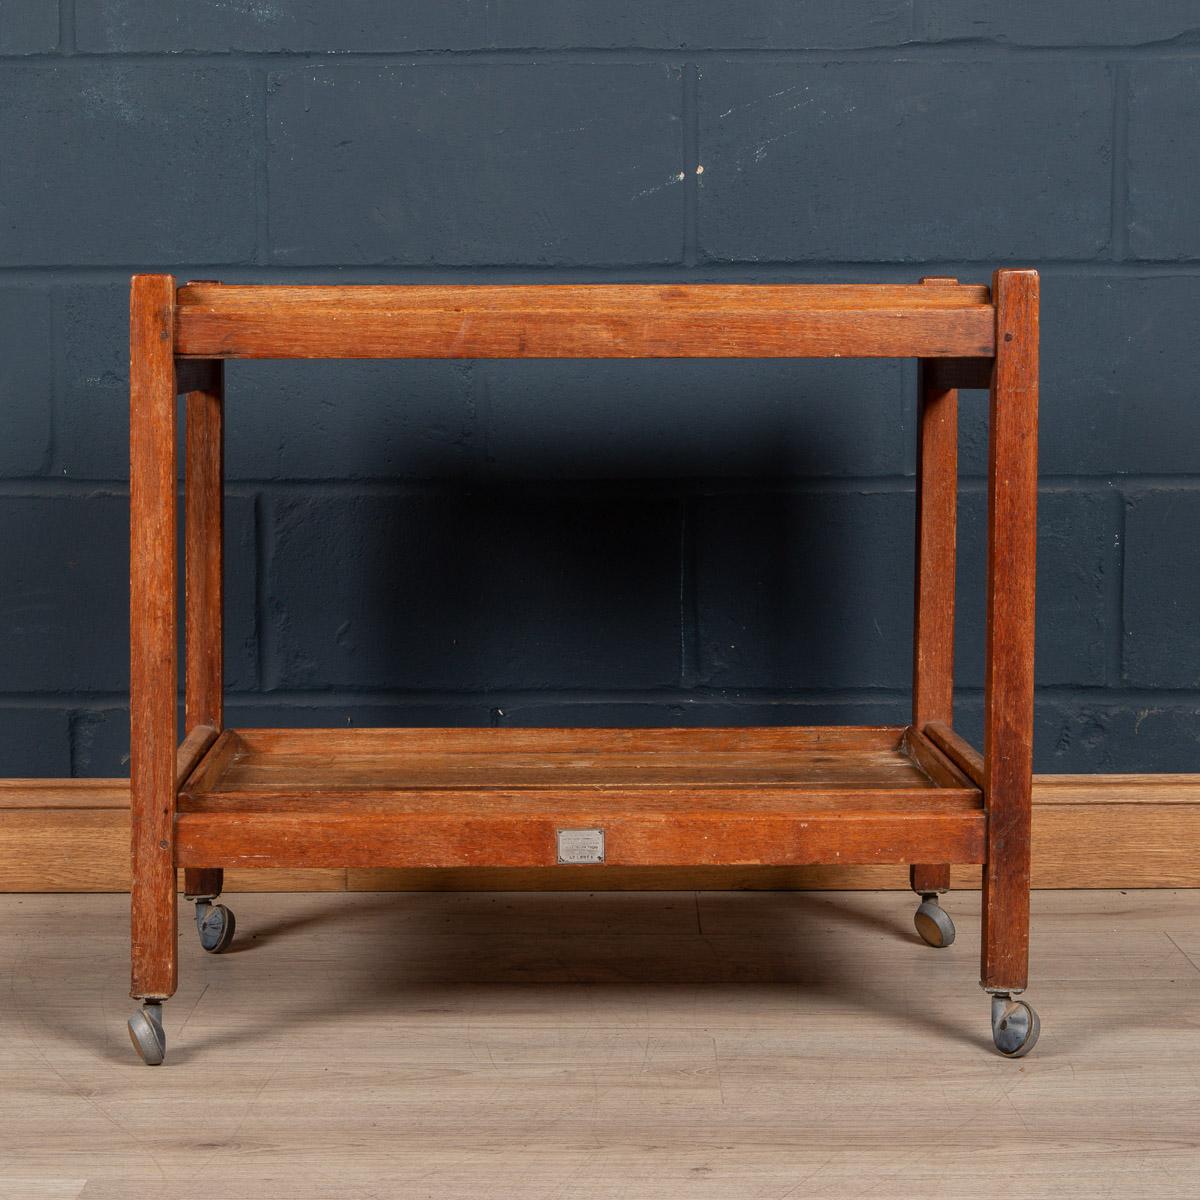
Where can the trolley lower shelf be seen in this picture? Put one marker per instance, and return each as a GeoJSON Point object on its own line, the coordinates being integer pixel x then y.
{"type": "Point", "coordinates": [503, 797]}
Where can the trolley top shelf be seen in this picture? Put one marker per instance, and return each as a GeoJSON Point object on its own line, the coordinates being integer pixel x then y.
{"type": "Point", "coordinates": [931, 320]}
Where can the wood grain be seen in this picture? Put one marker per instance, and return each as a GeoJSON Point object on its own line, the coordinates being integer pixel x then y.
{"type": "Point", "coordinates": [153, 617]}
{"type": "Point", "coordinates": [1008, 681]}
{"type": "Point", "coordinates": [593, 321]}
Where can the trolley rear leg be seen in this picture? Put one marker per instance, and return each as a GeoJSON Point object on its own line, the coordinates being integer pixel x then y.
{"type": "Point", "coordinates": [215, 923]}
{"type": "Point", "coordinates": [204, 565]}
{"type": "Point", "coordinates": [933, 615]}
{"type": "Point", "coordinates": [203, 883]}
{"type": "Point", "coordinates": [933, 923]}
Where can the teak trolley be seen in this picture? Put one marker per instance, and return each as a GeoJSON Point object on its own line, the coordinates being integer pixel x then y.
{"type": "Point", "coordinates": [535, 797]}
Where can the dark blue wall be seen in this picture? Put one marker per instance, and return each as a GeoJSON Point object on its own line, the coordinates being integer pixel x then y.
{"type": "Point", "coordinates": [545, 543]}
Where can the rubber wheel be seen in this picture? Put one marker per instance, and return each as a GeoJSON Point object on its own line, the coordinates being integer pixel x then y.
{"type": "Point", "coordinates": [146, 1034]}
{"type": "Point", "coordinates": [1015, 1026]}
{"type": "Point", "coordinates": [934, 925]}
{"type": "Point", "coordinates": [216, 927]}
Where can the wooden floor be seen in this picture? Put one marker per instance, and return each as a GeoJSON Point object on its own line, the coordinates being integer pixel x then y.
{"type": "Point", "coordinates": [707, 1046]}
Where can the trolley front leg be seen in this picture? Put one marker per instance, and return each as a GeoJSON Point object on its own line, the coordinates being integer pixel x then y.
{"type": "Point", "coordinates": [1008, 688]}
{"type": "Point", "coordinates": [153, 668]}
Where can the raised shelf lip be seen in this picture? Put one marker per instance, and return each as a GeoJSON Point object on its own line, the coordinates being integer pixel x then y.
{"type": "Point", "coordinates": [329, 811]}
{"type": "Point", "coordinates": [464, 760]}
{"type": "Point", "coordinates": [214, 320]}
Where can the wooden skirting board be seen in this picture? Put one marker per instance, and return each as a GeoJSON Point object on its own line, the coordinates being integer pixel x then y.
{"type": "Point", "coordinates": [1102, 831]}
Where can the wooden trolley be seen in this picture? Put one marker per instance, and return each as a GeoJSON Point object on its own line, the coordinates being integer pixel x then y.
{"type": "Point", "coordinates": [536, 797]}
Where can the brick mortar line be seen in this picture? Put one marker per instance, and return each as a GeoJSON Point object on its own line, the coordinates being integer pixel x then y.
{"type": "Point", "coordinates": [54, 488]}
{"type": "Point", "coordinates": [745, 697]}
{"type": "Point", "coordinates": [52, 275]}
{"type": "Point", "coordinates": [954, 51]}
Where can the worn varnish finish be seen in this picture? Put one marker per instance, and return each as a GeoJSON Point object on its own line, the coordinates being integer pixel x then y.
{"type": "Point", "coordinates": [1008, 680]}
{"type": "Point", "coordinates": [153, 604]}
{"type": "Point", "coordinates": [701, 800]}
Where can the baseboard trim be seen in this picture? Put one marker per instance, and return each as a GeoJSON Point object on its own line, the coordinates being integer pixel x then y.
{"type": "Point", "coordinates": [1089, 831]}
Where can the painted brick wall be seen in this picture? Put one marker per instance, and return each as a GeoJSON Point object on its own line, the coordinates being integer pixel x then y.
{"type": "Point", "coordinates": [557, 543]}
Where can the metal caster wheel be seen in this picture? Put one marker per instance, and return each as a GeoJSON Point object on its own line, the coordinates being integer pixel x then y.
{"type": "Point", "coordinates": [215, 925]}
{"type": "Point", "coordinates": [1015, 1026]}
{"type": "Point", "coordinates": [933, 922]}
{"type": "Point", "coordinates": [146, 1034]}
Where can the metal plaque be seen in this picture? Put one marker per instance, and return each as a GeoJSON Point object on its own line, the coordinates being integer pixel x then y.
{"type": "Point", "coordinates": [581, 845]}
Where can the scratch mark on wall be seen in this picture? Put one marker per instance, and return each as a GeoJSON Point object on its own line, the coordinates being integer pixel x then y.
{"type": "Point", "coordinates": [658, 187]}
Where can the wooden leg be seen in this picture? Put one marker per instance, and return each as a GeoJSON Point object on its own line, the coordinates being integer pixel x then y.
{"type": "Point", "coordinates": [203, 882]}
{"type": "Point", "coordinates": [203, 557]}
{"type": "Point", "coordinates": [937, 528]}
{"type": "Point", "coordinates": [925, 879]}
{"type": "Point", "coordinates": [1008, 688]}
{"type": "Point", "coordinates": [153, 613]}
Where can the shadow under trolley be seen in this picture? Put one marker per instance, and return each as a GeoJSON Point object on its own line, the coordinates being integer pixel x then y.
{"type": "Point", "coordinates": [916, 794]}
